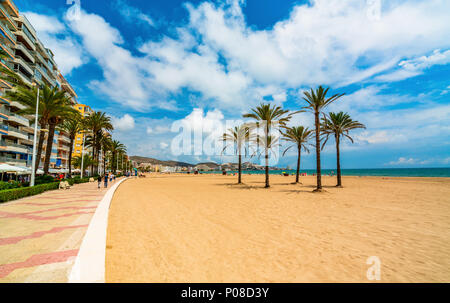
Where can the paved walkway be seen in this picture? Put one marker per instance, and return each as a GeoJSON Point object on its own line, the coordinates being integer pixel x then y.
{"type": "Point", "coordinates": [40, 236]}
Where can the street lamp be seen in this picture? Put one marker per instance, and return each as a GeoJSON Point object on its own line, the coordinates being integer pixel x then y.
{"type": "Point", "coordinates": [82, 157]}
{"type": "Point", "coordinates": [33, 159]}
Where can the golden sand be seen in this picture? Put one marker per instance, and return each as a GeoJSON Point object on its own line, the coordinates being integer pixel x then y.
{"type": "Point", "coordinates": [204, 228]}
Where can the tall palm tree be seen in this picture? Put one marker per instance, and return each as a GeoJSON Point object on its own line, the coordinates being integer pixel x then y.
{"type": "Point", "coordinates": [96, 123]}
{"type": "Point", "coordinates": [53, 106]}
{"type": "Point", "coordinates": [316, 102]}
{"type": "Point", "coordinates": [300, 136]}
{"type": "Point", "coordinates": [72, 126]}
{"type": "Point", "coordinates": [339, 125]}
{"type": "Point", "coordinates": [268, 115]}
{"type": "Point", "coordinates": [116, 149]}
{"type": "Point", "coordinates": [237, 137]}
{"type": "Point", "coordinates": [61, 109]}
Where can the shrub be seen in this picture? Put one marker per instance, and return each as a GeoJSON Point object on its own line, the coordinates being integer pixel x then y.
{"type": "Point", "coordinates": [44, 179]}
{"type": "Point", "coordinates": [17, 193]}
{"type": "Point", "coordinates": [9, 185]}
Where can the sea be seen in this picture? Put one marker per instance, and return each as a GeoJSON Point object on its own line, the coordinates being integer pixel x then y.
{"type": "Point", "coordinates": [384, 172]}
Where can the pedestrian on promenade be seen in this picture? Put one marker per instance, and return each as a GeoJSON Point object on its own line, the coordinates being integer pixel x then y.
{"type": "Point", "coordinates": [106, 181]}
{"type": "Point", "coordinates": [99, 180]}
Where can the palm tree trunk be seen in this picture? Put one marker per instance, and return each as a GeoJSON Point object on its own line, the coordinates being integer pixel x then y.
{"type": "Point", "coordinates": [267, 168]}
{"type": "Point", "coordinates": [104, 162]}
{"type": "Point", "coordinates": [48, 151]}
{"type": "Point", "coordinates": [39, 147]}
{"type": "Point", "coordinates": [298, 165]}
{"type": "Point", "coordinates": [338, 164]}
{"type": "Point", "coordinates": [240, 169]}
{"type": "Point", "coordinates": [70, 157]}
{"type": "Point", "coordinates": [319, 172]}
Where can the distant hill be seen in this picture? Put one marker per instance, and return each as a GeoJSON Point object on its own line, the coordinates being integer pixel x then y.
{"type": "Point", "coordinates": [140, 159]}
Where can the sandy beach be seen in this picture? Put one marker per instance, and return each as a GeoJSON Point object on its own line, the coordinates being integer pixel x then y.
{"type": "Point", "coordinates": [205, 228]}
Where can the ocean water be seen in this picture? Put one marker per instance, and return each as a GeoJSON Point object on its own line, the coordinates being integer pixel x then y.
{"type": "Point", "coordinates": [385, 172]}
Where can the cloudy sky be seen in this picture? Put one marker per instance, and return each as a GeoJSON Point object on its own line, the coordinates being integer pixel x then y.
{"type": "Point", "coordinates": [150, 63]}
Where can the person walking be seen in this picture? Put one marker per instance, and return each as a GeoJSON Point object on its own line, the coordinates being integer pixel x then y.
{"type": "Point", "coordinates": [106, 181]}
{"type": "Point", "coordinates": [99, 180]}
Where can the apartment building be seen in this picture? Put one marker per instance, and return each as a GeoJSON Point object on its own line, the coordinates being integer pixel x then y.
{"type": "Point", "coordinates": [34, 63]}
{"type": "Point", "coordinates": [85, 111]}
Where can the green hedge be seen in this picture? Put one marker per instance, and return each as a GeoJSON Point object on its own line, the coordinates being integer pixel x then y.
{"type": "Point", "coordinates": [9, 185]}
{"type": "Point", "coordinates": [77, 180]}
{"type": "Point", "coordinates": [17, 193]}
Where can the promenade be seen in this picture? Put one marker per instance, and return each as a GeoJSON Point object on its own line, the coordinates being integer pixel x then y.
{"type": "Point", "coordinates": [40, 236]}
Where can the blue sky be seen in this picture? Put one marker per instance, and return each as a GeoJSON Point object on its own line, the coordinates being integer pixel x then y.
{"type": "Point", "coordinates": [150, 63]}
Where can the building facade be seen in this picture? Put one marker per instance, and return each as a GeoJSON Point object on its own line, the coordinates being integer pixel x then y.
{"type": "Point", "coordinates": [34, 63]}
{"type": "Point", "coordinates": [85, 111]}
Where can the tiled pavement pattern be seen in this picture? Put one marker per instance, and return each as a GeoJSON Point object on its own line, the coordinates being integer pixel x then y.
{"type": "Point", "coordinates": [40, 235]}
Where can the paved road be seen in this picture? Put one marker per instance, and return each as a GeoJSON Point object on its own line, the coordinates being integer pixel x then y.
{"type": "Point", "coordinates": [40, 236]}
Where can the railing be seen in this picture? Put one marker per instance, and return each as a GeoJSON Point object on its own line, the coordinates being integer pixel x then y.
{"type": "Point", "coordinates": [9, 159]}
{"type": "Point", "coordinates": [7, 143]}
{"type": "Point", "coordinates": [7, 49]}
{"type": "Point", "coordinates": [18, 117]}
{"type": "Point", "coordinates": [28, 52]}
{"type": "Point", "coordinates": [15, 129]}
{"type": "Point", "coordinates": [10, 35]}
{"type": "Point", "coordinates": [25, 64]}
{"type": "Point", "coordinates": [27, 33]}
{"type": "Point", "coordinates": [27, 78]}
{"type": "Point", "coordinates": [6, 14]}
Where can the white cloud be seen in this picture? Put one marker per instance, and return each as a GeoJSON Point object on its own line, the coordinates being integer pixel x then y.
{"type": "Point", "coordinates": [159, 129]}
{"type": "Point", "coordinates": [229, 63]}
{"type": "Point", "coordinates": [404, 161]}
{"type": "Point", "coordinates": [163, 145]}
{"type": "Point", "coordinates": [125, 123]}
{"type": "Point", "coordinates": [54, 35]}
{"type": "Point", "coordinates": [132, 14]}
{"type": "Point", "coordinates": [413, 67]}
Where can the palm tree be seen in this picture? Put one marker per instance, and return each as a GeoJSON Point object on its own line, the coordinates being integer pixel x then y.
{"type": "Point", "coordinates": [238, 136]}
{"type": "Point", "coordinates": [316, 102]}
{"type": "Point", "coordinates": [53, 106]}
{"type": "Point", "coordinates": [96, 123]}
{"type": "Point", "coordinates": [105, 143]}
{"type": "Point", "coordinates": [268, 116]}
{"type": "Point", "coordinates": [338, 124]}
{"type": "Point", "coordinates": [61, 108]}
{"type": "Point", "coordinates": [72, 126]}
{"type": "Point", "coordinates": [300, 136]}
{"type": "Point", "coordinates": [88, 161]}
{"type": "Point", "coordinates": [116, 149]}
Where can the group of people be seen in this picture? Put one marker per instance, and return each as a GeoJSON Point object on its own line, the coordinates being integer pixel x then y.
{"type": "Point", "coordinates": [111, 177]}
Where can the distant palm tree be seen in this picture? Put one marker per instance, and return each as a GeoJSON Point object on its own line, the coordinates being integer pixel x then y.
{"type": "Point", "coordinates": [116, 149]}
{"type": "Point", "coordinates": [105, 142]}
{"type": "Point", "coordinates": [88, 161]}
{"type": "Point", "coordinates": [237, 137]}
{"type": "Point", "coordinates": [300, 136]}
{"type": "Point", "coordinates": [316, 102]}
{"type": "Point", "coordinates": [72, 126]}
{"type": "Point", "coordinates": [338, 124]}
{"type": "Point", "coordinates": [268, 115]}
{"type": "Point", "coordinates": [96, 123]}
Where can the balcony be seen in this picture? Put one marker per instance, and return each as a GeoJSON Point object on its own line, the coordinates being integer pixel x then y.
{"type": "Point", "coordinates": [18, 119]}
{"type": "Point", "coordinates": [24, 77]}
{"type": "Point", "coordinates": [28, 53]}
{"type": "Point", "coordinates": [24, 64]}
{"type": "Point", "coordinates": [7, 49]}
{"type": "Point", "coordinates": [7, 33]}
{"type": "Point", "coordinates": [6, 15]}
{"type": "Point", "coordinates": [14, 147]}
{"type": "Point", "coordinates": [26, 37]}
{"type": "Point", "coordinates": [46, 76]}
{"type": "Point", "coordinates": [13, 161]}
{"type": "Point", "coordinates": [17, 133]}
{"type": "Point", "coordinates": [11, 7]}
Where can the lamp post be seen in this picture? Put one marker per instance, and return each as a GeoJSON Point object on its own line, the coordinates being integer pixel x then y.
{"type": "Point", "coordinates": [82, 157]}
{"type": "Point", "coordinates": [33, 159]}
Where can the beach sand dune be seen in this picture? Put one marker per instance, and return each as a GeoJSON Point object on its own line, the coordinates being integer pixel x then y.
{"type": "Point", "coordinates": [205, 228]}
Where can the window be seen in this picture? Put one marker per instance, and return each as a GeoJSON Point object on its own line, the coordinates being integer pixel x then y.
{"type": "Point", "coordinates": [78, 145]}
